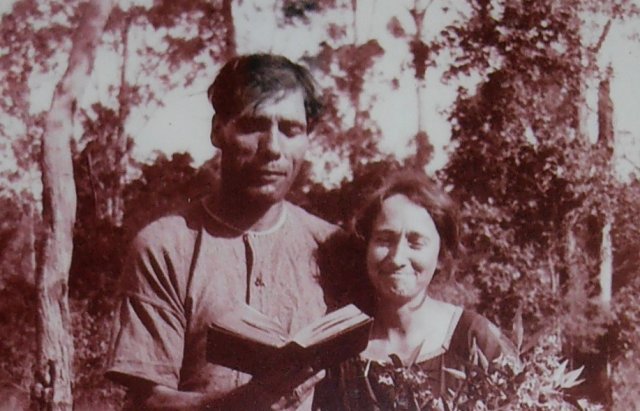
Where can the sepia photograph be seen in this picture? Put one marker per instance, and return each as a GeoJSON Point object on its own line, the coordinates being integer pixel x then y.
{"type": "Point", "coordinates": [320, 205]}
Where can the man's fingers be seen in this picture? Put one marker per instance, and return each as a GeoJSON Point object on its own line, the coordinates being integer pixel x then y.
{"type": "Point", "coordinates": [305, 389]}
{"type": "Point", "coordinates": [300, 393]}
{"type": "Point", "coordinates": [305, 379]}
{"type": "Point", "coordinates": [306, 386]}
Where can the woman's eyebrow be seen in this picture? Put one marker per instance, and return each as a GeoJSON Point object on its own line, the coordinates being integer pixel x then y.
{"type": "Point", "coordinates": [416, 235]}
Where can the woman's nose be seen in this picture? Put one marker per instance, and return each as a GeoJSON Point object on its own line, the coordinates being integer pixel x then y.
{"type": "Point", "coordinates": [398, 253]}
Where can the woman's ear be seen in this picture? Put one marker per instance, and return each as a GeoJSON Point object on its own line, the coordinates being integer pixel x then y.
{"type": "Point", "coordinates": [216, 132]}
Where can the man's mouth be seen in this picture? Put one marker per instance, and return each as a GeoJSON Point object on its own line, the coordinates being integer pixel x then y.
{"type": "Point", "coordinates": [267, 175]}
{"type": "Point", "coordinates": [277, 172]}
{"type": "Point", "coordinates": [397, 274]}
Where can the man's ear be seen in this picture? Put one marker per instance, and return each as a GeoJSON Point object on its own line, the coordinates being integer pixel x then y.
{"type": "Point", "coordinates": [216, 132]}
{"type": "Point", "coordinates": [311, 133]}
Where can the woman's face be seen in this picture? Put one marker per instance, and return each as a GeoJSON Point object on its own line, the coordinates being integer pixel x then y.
{"type": "Point", "coordinates": [402, 253]}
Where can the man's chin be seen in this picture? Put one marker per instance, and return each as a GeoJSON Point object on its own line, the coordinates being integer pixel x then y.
{"type": "Point", "coordinates": [265, 195]}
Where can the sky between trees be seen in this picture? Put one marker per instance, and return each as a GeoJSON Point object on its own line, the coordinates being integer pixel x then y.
{"type": "Point", "coordinates": [182, 123]}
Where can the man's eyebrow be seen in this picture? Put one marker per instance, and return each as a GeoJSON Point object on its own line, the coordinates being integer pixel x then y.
{"type": "Point", "coordinates": [252, 122]}
{"type": "Point", "coordinates": [251, 117]}
{"type": "Point", "coordinates": [287, 122]}
{"type": "Point", "coordinates": [259, 117]}
{"type": "Point", "coordinates": [383, 231]}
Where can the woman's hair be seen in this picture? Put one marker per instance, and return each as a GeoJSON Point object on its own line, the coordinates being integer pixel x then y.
{"type": "Point", "coordinates": [422, 191]}
{"type": "Point", "coordinates": [247, 81]}
{"type": "Point", "coordinates": [342, 257]}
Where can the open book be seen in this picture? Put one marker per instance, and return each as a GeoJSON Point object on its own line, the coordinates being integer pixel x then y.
{"type": "Point", "coordinates": [249, 341]}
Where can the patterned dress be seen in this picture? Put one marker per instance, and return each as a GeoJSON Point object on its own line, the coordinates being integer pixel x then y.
{"type": "Point", "coordinates": [366, 385]}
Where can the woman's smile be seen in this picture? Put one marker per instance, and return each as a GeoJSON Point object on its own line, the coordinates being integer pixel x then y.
{"type": "Point", "coordinates": [402, 254]}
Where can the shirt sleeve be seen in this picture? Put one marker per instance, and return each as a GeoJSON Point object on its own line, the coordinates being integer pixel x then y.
{"type": "Point", "coordinates": [149, 331]}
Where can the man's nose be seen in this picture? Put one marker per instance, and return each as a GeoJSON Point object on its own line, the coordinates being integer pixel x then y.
{"type": "Point", "coordinates": [270, 143]}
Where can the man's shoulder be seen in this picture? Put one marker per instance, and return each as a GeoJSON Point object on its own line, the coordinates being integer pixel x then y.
{"type": "Point", "coordinates": [177, 227]}
{"type": "Point", "coordinates": [318, 227]}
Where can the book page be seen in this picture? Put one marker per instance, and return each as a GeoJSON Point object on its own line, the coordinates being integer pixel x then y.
{"type": "Point", "coordinates": [330, 325]}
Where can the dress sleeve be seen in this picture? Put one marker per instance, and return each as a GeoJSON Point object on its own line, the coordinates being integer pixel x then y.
{"type": "Point", "coordinates": [148, 336]}
{"type": "Point", "coordinates": [473, 329]}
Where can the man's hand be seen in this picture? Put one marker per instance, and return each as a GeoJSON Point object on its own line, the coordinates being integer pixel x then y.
{"type": "Point", "coordinates": [277, 391]}
{"type": "Point", "coordinates": [297, 395]}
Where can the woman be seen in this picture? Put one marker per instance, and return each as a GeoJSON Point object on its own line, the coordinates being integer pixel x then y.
{"type": "Point", "coordinates": [420, 350]}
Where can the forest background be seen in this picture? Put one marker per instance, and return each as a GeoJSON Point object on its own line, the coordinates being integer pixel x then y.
{"type": "Point", "coordinates": [508, 103]}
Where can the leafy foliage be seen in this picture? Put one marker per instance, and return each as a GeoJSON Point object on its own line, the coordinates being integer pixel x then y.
{"type": "Point", "coordinates": [534, 189]}
{"type": "Point", "coordinates": [539, 383]}
{"type": "Point", "coordinates": [534, 192]}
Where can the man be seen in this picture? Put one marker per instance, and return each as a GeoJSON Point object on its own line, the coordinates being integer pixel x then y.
{"type": "Point", "coordinates": [244, 244]}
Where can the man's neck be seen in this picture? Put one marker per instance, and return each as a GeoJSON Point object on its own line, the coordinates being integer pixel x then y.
{"type": "Point", "coordinates": [243, 215]}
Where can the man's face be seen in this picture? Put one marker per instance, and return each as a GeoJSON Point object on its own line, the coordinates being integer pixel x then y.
{"type": "Point", "coordinates": [263, 149]}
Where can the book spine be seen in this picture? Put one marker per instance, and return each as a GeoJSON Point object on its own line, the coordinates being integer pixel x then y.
{"type": "Point", "coordinates": [233, 352]}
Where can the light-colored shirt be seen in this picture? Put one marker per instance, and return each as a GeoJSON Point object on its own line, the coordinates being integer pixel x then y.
{"type": "Point", "coordinates": [185, 269]}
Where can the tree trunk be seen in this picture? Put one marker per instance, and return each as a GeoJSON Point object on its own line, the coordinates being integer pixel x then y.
{"type": "Point", "coordinates": [230, 34]}
{"type": "Point", "coordinates": [54, 360]}
{"type": "Point", "coordinates": [606, 266]}
{"type": "Point", "coordinates": [605, 143]}
{"type": "Point", "coordinates": [356, 39]}
{"type": "Point", "coordinates": [115, 200]}
{"type": "Point", "coordinates": [583, 111]}
{"type": "Point", "coordinates": [586, 82]}
{"type": "Point", "coordinates": [420, 51]}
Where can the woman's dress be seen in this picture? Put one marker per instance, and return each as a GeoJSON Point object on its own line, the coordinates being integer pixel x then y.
{"type": "Point", "coordinates": [362, 384]}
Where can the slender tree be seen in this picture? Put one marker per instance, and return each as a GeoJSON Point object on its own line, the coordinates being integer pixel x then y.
{"type": "Point", "coordinates": [605, 144]}
{"type": "Point", "coordinates": [55, 344]}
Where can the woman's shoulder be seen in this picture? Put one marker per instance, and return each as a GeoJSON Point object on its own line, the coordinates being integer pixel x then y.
{"type": "Point", "coordinates": [473, 322]}
{"type": "Point", "coordinates": [474, 329]}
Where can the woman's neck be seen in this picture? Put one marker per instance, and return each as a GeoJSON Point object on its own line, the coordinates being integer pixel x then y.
{"type": "Point", "coordinates": [409, 330]}
{"type": "Point", "coordinates": [401, 318]}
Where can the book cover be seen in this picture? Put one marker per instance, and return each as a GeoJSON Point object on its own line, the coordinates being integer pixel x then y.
{"type": "Point", "coordinates": [249, 341]}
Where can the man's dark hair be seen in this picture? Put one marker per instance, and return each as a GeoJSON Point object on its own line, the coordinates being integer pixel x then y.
{"type": "Point", "coordinates": [247, 81]}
